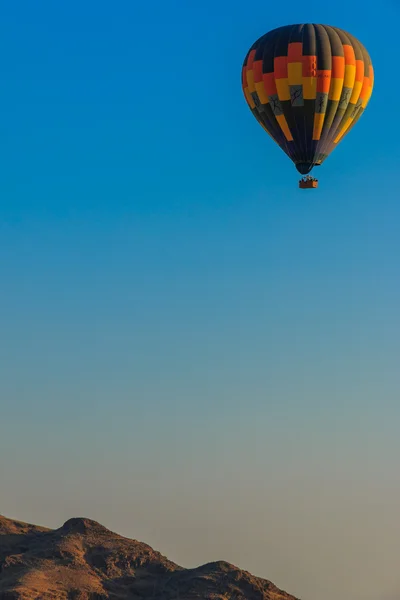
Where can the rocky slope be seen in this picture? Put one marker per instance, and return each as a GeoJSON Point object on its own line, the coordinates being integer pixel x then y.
{"type": "Point", "coordinates": [82, 560]}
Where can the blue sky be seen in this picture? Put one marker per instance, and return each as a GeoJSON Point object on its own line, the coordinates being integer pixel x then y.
{"type": "Point", "coordinates": [193, 351]}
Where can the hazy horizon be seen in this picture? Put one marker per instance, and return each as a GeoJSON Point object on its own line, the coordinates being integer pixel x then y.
{"type": "Point", "coordinates": [193, 352]}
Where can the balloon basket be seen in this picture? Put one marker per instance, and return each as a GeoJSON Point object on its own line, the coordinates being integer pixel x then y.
{"type": "Point", "coordinates": [308, 184]}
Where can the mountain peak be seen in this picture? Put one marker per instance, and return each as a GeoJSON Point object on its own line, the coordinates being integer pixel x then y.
{"type": "Point", "coordinates": [83, 525]}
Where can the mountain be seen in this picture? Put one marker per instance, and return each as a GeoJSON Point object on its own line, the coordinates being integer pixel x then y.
{"type": "Point", "coordinates": [82, 560]}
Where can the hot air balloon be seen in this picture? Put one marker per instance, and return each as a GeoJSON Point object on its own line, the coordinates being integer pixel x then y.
{"type": "Point", "coordinates": [307, 86]}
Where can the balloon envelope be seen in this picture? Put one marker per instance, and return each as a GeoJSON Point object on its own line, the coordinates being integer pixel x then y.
{"type": "Point", "coordinates": [307, 85]}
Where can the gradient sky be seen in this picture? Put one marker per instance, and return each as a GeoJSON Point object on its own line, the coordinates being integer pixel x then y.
{"type": "Point", "coordinates": [193, 351]}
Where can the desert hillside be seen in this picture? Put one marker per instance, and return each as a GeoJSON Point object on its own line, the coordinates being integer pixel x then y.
{"type": "Point", "coordinates": [82, 560]}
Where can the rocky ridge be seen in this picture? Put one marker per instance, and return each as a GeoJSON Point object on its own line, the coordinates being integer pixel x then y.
{"type": "Point", "coordinates": [82, 560]}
